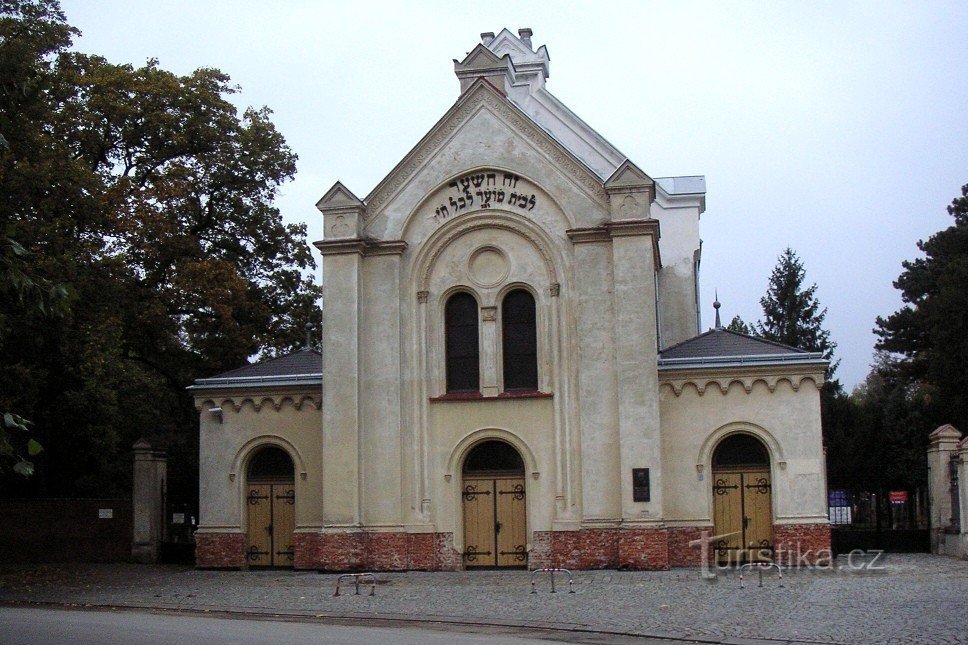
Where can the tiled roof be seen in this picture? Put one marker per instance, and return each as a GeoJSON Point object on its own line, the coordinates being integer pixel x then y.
{"type": "Point", "coordinates": [728, 347]}
{"type": "Point", "coordinates": [302, 367]}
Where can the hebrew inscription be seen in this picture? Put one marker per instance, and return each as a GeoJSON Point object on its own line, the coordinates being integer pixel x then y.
{"type": "Point", "coordinates": [481, 191]}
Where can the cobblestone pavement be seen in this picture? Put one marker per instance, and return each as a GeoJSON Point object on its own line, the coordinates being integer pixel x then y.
{"type": "Point", "coordinates": [899, 599]}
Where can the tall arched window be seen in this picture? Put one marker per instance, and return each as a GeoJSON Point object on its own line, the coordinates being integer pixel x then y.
{"type": "Point", "coordinates": [520, 341]}
{"type": "Point", "coordinates": [461, 338]}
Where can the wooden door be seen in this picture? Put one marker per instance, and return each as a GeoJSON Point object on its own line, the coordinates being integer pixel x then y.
{"type": "Point", "coordinates": [511, 528]}
{"type": "Point", "coordinates": [478, 504]}
{"type": "Point", "coordinates": [283, 524]}
{"type": "Point", "coordinates": [727, 515]}
{"type": "Point", "coordinates": [742, 516]}
{"type": "Point", "coordinates": [270, 524]}
{"type": "Point", "coordinates": [757, 504]}
{"type": "Point", "coordinates": [495, 522]}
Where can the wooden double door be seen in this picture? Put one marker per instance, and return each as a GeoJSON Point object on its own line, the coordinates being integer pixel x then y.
{"type": "Point", "coordinates": [271, 508]}
{"type": "Point", "coordinates": [495, 521]}
{"type": "Point", "coordinates": [743, 515]}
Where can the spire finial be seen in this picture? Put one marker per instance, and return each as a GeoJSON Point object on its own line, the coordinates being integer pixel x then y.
{"type": "Point", "coordinates": [716, 306]}
{"type": "Point", "coordinates": [309, 335]}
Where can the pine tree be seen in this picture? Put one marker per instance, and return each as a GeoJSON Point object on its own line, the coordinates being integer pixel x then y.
{"type": "Point", "coordinates": [930, 332]}
{"type": "Point", "coordinates": [792, 314]}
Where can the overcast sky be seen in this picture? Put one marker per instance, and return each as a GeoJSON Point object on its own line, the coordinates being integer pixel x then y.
{"type": "Point", "coordinates": [838, 129]}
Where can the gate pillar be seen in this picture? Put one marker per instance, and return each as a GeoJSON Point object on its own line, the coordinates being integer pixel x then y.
{"type": "Point", "coordinates": [948, 522]}
{"type": "Point", "coordinates": [148, 501]}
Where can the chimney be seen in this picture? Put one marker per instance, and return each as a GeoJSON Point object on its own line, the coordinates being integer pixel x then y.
{"type": "Point", "coordinates": [487, 37]}
{"type": "Point", "coordinates": [525, 34]}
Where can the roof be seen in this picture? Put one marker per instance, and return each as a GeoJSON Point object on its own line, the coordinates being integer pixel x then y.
{"type": "Point", "coordinates": [722, 347]}
{"type": "Point", "coordinates": [302, 367]}
{"type": "Point", "coordinates": [529, 94]}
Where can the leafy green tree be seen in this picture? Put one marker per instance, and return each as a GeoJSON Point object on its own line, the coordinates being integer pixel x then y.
{"type": "Point", "coordinates": [152, 198]}
{"type": "Point", "coordinates": [930, 332]}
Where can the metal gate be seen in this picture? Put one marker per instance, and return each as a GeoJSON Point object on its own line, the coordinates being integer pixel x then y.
{"type": "Point", "coordinates": [885, 520]}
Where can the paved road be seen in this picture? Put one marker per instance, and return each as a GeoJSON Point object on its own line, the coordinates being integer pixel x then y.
{"type": "Point", "coordinates": [20, 626]}
{"type": "Point", "coordinates": [909, 599]}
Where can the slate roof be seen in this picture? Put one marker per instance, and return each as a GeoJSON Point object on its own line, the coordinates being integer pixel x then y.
{"type": "Point", "coordinates": [724, 347]}
{"type": "Point", "coordinates": [302, 367]}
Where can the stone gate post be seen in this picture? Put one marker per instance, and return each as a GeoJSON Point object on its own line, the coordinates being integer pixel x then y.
{"type": "Point", "coordinates": [148, 501]}
{"type": "Point", "coordinates": [947, 514]}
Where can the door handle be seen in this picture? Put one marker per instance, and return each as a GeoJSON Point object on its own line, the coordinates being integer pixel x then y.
{"type": "Point", "coordinates": [269, 529]}
{"type": "Point", "coordinates": [497, 527]}
{"type": "Point", "coordinates": [746, 522]}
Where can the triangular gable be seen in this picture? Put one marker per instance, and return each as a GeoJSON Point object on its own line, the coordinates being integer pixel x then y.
{"type": "Point", "coordinates": [482, 58]}
{"type": "Point", "coordinates": [628, 175]}
{"type": "Point", "coordinates": [506, 43]}
{"type": "Point", "coordinates": [482, 93]}
{"type": "Point", "coordinates": [339, 196]}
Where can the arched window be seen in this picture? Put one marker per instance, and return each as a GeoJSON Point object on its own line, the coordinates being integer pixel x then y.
{"type": "Point", "coordinates": [520, 341]}
{"type": "Point", "coordinates": [271, 464]}
{"type": "Point", "coordinates": [461, 338]}
{"type": "Point", "coordinates": [740, 450]}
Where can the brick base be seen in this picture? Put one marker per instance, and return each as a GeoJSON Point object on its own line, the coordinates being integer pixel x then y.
{"type": "Point", "coordinates": [646, 549]}
{"type": "Point", "coordinates": [801, 544]}
{"type": "Point", "coordinates": [681, 554]}
{"type": "Point", "coordinates": [395, 551]}
{"type": "Point", "coordinates": [219, 550]}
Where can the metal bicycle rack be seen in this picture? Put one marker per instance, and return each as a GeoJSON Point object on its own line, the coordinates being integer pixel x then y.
{"type": "Point", "coordinates": [761, 567]}
{"type": "Point", "coordinates": [552, 572]}
{"type": "Point", "coordinates": [358, 579]}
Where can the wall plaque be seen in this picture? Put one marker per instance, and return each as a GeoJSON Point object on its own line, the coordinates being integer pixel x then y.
{"type": "Point", "coordinates": [640, 484]}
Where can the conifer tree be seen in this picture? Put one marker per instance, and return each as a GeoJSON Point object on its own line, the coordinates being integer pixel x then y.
{"type": "Point", "coordinates": [791, 313]}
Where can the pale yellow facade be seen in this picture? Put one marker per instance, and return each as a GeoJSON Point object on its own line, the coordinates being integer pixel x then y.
{"type": "Point", "coordinates": [509, 192]}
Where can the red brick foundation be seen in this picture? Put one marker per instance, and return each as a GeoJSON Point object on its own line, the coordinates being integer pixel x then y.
{"type": "Point", "coordinates": [219, 550]}
{"type": "Point", "coordinates": [395, 551]}
{"type": "Point", "coordinates": [646, 549]}
{"type": "Point", "coordinates": [801, 544]}
{"type": "Point", "coordinates": [681, 554]}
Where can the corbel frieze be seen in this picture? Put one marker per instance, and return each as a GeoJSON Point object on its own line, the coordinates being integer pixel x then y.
{"type": "Point", "coordinates": [258, 402]}
{"type": "Point", "coordinates": [722, 384]}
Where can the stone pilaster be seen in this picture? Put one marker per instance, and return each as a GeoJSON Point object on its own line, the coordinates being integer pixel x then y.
{"type": "Point", "coordinates": [942, 447]}
{"type": "Point", "coordinates": [147, 498]}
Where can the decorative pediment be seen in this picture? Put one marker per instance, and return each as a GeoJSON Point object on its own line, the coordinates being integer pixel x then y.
{"type": "Point", "coordinates": [483, 96]}
{"type": "Point", "coordinates": [946, 432]}
{"type": "Point", "coordinates": [482, 58]}
{"type": "Point", "coordinates": [339, 196]}
{"type": "Point", "coordinates": [628, 175]}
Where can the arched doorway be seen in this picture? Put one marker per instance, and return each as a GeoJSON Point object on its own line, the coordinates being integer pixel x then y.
{"type": "Point", "coordinates": [494, 505]}
{"type": "Point", "coordinates": [270, 503]}
{"type": "Point", "coordinates": [742, 500]}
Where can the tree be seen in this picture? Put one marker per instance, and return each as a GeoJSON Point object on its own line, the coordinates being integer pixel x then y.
{"type": "Point", "coordinates": [739, 325]}
{"type": "Point", "coordinates": [791, 313]}
{"type": "Point", "coordinates": [152, 199]}
{"type": "Point", "coordinates": [930, 332]}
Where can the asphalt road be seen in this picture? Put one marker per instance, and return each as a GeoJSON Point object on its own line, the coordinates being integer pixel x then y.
{"type": "Point", "coordinates": [28, 626]}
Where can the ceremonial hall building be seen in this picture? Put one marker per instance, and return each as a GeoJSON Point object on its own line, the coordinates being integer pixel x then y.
{"type": "Point", "coordinates": [512, 370]}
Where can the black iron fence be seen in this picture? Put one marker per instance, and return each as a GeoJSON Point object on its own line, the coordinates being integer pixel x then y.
{"type": "Point", "coordinates": [887, 520]}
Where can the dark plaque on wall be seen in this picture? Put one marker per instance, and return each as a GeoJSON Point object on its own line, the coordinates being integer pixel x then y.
{"type": "Point", "coordinates": [640, 484]}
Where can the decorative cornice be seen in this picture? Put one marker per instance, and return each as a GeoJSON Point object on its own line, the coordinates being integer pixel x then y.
{"type": "Point", "coordinates": [361, 246]}
{"type": "Point", "coordinates": [721, 379]}
{"type": "Point", "coordinates": [629, 227]}
{"type": "Point", "coordinates": [619, 228]}
{"type": "Point", "coordinates": [258, 401]}
{"type": "Point", "coordinates": [478, 96]}
{"type": "Point", "coordinates": [588, 235]}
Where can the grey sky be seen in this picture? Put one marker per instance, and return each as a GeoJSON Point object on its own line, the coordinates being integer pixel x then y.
{"type": "Point", "coordinates": [838, 129]}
